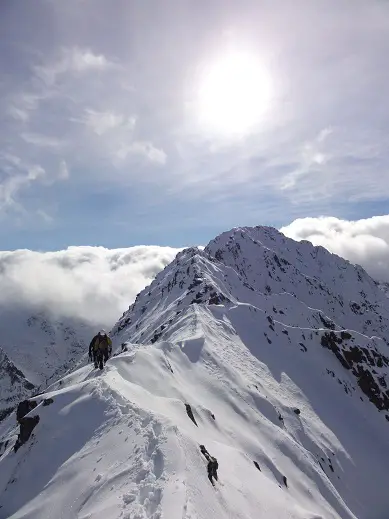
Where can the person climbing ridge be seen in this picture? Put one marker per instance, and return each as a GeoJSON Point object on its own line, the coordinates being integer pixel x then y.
{"type": "Point", "coordinates": [212, 465]}
{"type": "Point", "coordinates": [100, 349]}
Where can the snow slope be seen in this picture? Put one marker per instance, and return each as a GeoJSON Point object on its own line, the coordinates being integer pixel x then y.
{"type": "Point", "coordinates": [385, 288]}
{"type": "Point", "coordinates": [36, 349]}
{"type": "Point", "coordinates": [280, 350]}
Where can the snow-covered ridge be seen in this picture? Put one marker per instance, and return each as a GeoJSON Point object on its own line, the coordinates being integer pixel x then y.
{"type": "Point", "coordinates": [272, 354]}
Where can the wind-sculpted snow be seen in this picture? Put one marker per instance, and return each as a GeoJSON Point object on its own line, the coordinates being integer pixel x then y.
{"type": "Point", "coordinates": [269, 355]}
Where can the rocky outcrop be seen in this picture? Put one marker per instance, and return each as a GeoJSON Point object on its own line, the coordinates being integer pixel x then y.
{"type": "Point", "coordinates": [26, 423]}
{"type": "Point", "coordinates": [368, 365]}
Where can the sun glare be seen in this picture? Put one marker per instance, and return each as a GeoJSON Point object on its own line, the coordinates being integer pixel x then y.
{"type": "Point", "coordinates": [234, 94]}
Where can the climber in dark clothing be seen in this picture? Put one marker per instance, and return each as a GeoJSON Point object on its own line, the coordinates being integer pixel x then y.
{"type": "Point", "coordinates": [100, 349]}
{"type": "Point", "coordinates": [212, 465]}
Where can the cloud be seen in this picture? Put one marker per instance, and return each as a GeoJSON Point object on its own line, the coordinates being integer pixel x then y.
{"type": "Point", "coordinates": [63, 170]}
{"type": "Point", "coordinates": [117, 137]}
{"type": "Point", "coordinates": [45, 216]}
{"type": "Point", "coordinates": [141, 149]}
{"type": "Point", "coordinates": [20, 176]}
{"type": "Point", "coordinates": [72, 60]}
{"type": "Point", "coordinates": [18, 114]}
{"type": "Point", "coordinates": [23, 104]}
{"type": "Point", "coordinates": [311, 159]}
{"type": "Point", "coordinates": [44, 141]}
{"type": "Point", "coordinates": [363, 242]}
{"type": "Point", "coordinates": [92, 283]}
{"type": "Point", "coordinates": [102, 122]}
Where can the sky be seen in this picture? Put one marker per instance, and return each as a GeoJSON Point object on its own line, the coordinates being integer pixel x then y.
{"type": "Point", "coordinates": [168, 122]}
{"type": "Point", "coordinates": [131, 129]}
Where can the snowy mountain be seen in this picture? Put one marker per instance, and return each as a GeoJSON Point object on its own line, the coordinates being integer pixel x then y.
{"type": "Point", "coordinates": [267, 354]}
{"type": "Point", "coordinates": [36, 349]}
{"type": "Point", "coordinates": [384, 287]}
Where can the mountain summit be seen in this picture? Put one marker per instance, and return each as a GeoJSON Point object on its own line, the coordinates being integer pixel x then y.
{"type": "Point", "coordinates": [249, 381]}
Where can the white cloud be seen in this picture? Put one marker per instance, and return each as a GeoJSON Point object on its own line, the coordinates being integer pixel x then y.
{"type": "Point", "coordinates": [20, 176]}
{"type": "Point", "coordinates": [18, 113]}
{"type": "Point", "coordinates": [72, 60]}
{"type": "Point", "coordinates": [363, 242]}
{"type": "Point", "coordinates": [92, 283]}
{"type": "Point", "coordinates": [81, 60]}
{"type": "Point", "coordinates": [311, 157]}
{"type": "Point", "coordinates": [116, 133]}
{"type": "Point", "coordinates": [63, 170]}
{"type": "Point", "coordinates": [45, 216]}
{"type": "Point", "coordinates": [101, 122]}
{"type": "Point", "coordinates": [141, 149]}
{"type": "Point", "coordinates": [44, 141]}
{"type": "Point", "coordinates": [17, 180]}
{"type": "Point", "coordinates": [24, 104]}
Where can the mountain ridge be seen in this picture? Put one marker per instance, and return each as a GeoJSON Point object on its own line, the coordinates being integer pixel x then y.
{"type": "Point", "coordinates": [272, 354]}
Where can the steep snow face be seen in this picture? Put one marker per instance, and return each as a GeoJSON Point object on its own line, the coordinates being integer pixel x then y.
{"type": "Point", "coordinates": [34, 350]}
{"type": "Point", "coordinates": [282, 385]}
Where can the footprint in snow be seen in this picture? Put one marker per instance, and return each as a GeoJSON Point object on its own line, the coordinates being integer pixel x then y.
{"type": "Point", "coordinates": [128, 498]}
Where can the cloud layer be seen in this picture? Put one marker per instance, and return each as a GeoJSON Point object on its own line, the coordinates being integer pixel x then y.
{"type": "Point", "coordinates": [97, 284]}
{"type": "Point", "coordinates": [91, 283]}
{"type": "Point", "coordinates": [365, 242]}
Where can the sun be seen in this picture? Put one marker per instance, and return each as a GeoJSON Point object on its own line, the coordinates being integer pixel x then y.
{"type": "Point", "coordinates": [234, 94]}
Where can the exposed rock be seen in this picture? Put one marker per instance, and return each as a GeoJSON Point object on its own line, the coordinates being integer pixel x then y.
{"type": "Point", "coordinates": [190, 414]}
{"type": "Point", "coordinates": [27, 425]}
{"type": "Point", "coordinates": [24, 408]}
{"type": "Point", "coordinates": [359, 360]}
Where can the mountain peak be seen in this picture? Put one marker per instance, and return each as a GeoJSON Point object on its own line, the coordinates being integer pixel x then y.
{"type": "Point", "coordinates": [249, 379]}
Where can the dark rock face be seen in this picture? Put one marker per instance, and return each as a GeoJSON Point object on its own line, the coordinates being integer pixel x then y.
{"type": "Point", "coordinates": [190, 414]}
{"type": "Point", "coordinates": [361, 361]}
{"type": "Point", "coordinates": [24, 408]}
{"type": "Point", "coordinates": [47, 401]}
{"type": "Point", "coordinates": [27, 425]}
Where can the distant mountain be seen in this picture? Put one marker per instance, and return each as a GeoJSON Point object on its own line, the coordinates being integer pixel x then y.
{"type": "Point", "coordinates": [269, 355]}
{"type": "Point", "coordinates": [385, 288]}
{"type": "Point", "coordinates": [35, 350]}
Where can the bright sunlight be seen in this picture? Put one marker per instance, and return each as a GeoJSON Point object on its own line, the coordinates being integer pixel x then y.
{"type": "Point", "coordinates": [234, 94]}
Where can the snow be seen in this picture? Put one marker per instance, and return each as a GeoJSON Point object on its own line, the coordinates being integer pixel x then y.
{"type": "Point", "coordinates": [208, 333]}
{"type": "Point", "coordinates": [36, 349]}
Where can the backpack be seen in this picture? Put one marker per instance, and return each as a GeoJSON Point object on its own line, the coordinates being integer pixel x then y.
{"type": "Point", "coordinates": [102, 342]}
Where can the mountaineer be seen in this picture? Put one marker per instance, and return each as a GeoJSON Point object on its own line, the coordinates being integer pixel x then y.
{"type": "Point", "coordinates": [100, 349]}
